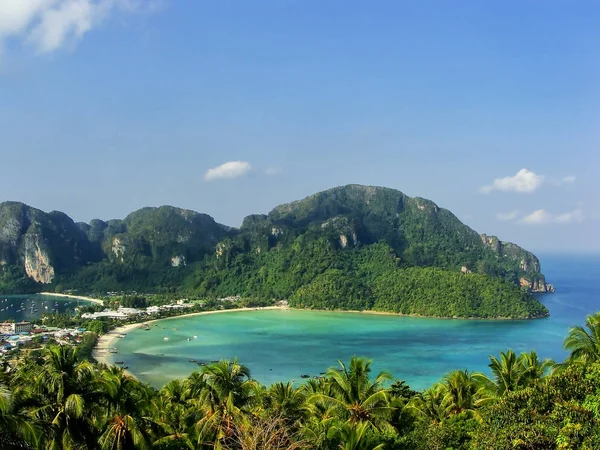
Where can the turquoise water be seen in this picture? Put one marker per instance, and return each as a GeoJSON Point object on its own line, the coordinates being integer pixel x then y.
{"type": "Point", "coordinates": [32, 306]}
{"type": "Point", "coordinates": [282, 345]}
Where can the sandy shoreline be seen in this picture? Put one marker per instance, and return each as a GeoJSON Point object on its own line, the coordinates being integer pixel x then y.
{"type": "Point", "coordinates": [107, 340]}
{"type": "Point", "coordinates": [80, 297]}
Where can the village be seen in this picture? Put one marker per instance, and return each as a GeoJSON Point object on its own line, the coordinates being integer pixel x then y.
{"type": "Point", "coordinates": [17, 336]}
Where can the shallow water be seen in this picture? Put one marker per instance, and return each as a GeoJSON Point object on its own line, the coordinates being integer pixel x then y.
{"type": "Point", "coordinates": [281, 345]}
{"type": "Point", "coordinates": [32, 306]}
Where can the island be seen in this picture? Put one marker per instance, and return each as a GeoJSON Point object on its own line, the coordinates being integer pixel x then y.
{"type": "Point", "coordinates": [352, 247]}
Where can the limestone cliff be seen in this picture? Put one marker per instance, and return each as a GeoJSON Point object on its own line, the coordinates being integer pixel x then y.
{"type": "Point", "coordinates": [37, 260]}
{"type": "Point", "coordinates": [39, 245]}
{"type": "Point", "coordinates": [162, 246]}
{"type": "Point", "coordinates": [530, 275]}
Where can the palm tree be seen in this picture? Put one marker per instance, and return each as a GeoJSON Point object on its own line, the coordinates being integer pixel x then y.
{"type": "Point", "coordinates": [356, 437]}
{"type": "Point", "coordinates": [195, 384]}
{"type": "Point", "coordinates": [354, 396]}
{"type": "Point", "coordinates": [463, 394]}
{"type": "Point", "coordinates": [534, 369]}
{"type": "Point", "coordinates": [287, 403]}
{"type": "Point", "coordinates": [583, 344]}
{"type": "Point", "coordinates": [67, 396]}
{"type": "Point", "coordinates": [16, 429]}
{"type": "Point", "coordinates": [124, 425]}
{"type": "Point", "coordinates": [430, 405]}
{"type": "Point", "coordinates": [227, 394]}
{"type": "Point", "coordinates": [123, 433]}
{"type": "Point", "coordinates": [508, 374]}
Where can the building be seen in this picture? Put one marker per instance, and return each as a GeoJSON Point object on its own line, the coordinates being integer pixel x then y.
{"type": "Point", "coordinates": [106, 313]}
{"type": "Point", "coordinates": [15, 327]}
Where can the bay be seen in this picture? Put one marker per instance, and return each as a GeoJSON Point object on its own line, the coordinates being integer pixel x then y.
{"type": "Point", "coordinates": [280, 345]}
{"type": "Point", "coordinates": [31, 306]}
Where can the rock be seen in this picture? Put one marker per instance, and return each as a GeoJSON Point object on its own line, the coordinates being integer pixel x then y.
{"type": "Point", "coordinates": [178, 260]}
{"type": "Point", "coordinates": [37, 261]}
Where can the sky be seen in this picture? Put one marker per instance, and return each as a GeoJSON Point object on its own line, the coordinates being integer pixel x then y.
{"type": "Point", "coordinates": [490, 109]}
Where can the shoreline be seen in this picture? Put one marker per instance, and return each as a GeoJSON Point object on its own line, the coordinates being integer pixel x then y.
{"type": "Point", "coordinates": [80, 297]}
{"type": "Point", "coordinates": [107, 340]}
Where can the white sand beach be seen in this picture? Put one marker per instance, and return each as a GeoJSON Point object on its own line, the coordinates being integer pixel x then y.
{"type": "Point", "coordinates": [107, 341]}
{"type": "Point", "coordinates": [80, 297]}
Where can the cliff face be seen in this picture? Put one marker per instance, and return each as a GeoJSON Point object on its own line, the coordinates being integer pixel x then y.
{"type": "Point", "coordinates": [530, 275]}
{"type": "Point", "coordinates": [37, 260]}
{"type": "Point", "coordinates": [421, 233]}
{"type": "Point", "coordinates": [40, 245]}
{"type": "Point", "coordinates": [161, 246]}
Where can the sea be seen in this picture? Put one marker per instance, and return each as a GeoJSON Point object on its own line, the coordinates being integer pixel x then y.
{"type": "Point", "coordinates": [282, 345]}
{"type": "Point", "coordinates": [32, 306]}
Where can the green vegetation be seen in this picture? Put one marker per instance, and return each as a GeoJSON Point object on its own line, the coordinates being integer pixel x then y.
{"type": "Point", "coordinates": [60, 400]}
{"type": "Point", "coordinates": [352, 247]}
{"type": "Point", "coordinates": [314, 274]}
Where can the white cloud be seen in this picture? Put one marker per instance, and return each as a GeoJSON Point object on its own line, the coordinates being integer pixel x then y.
{"type": "Point", "coordinates": [542, 217]}
{"type": "Point", "coordinates": [505, 217]}
{"type": "Point", "coordinates": [569, 217]}
{"type": "Point", "coordinates": [50, 24]}
{"type": "Point", "coordinates": [524, 181]}
{"type": "Point", "coordinates": [273, 171]}
{"type": "Point", "coordinates": [228, 170]}
{"type": "Point", "coordinates": [538, 217]}
{"type": "Point", "coordinates": [568, 179]}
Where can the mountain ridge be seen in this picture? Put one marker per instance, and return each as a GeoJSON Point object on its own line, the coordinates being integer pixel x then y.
{"type": "Point", "coordinates": [170, 248]}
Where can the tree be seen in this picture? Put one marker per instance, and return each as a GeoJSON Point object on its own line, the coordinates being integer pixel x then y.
{"type": "Point", "coordinates": [463, 394]}
{"type": "Point", "coordinates": [67, 397]}
{"type": "Point", "coordinates": [15, 430]}
{"type": "Point", "coordinates": [227, 394]}
{"type": "Point", "coordinates": [534, 369]}
{"type": "Point", "coordinates": [583, 344]}
{"type": "Point", "coordinates": [354, 396]}
{"type": "Point", "coordinates": [287, 403]}
{"type": "Point", "coordinates": [126, 402]}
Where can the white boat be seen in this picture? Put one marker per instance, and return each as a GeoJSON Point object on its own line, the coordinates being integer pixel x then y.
{"type": "Point", "coordinates": [195, 337]}
{"type": "Point", "coordinates": [165, 338]}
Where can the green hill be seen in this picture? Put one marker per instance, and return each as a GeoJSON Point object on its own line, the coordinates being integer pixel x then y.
{"type": "Point", "coordinates": [351, 247]}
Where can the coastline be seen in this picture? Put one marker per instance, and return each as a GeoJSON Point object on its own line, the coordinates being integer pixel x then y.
{"type": "Point", "coordinates": [107, 340]}
{"type": "Point", "coordinates": [80, 297]}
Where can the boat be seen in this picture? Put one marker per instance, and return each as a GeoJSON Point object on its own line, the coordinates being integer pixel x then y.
{"type": "Point", "coordinates": [305, 375]}
{"type": "Point", "coordinates": [201, 363]}
{"type": "Point", "coordinates": [188, 339]}
{"type": "Point", "coordinates": [193, 361]}
{"type": "Point", "coordinates": [215, 361]}
{"type": "Point", "coordinates": [165, 338]}
{"type": "Point", "coordinates": [118, 362]}
{"type": "Point", "coordinates": [195, 337]}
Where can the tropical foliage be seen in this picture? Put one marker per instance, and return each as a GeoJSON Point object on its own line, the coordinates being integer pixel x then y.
{"type": "Point", "coordinates": [61, 401]}
{"type": "Point", "coordinates": [352, 247]}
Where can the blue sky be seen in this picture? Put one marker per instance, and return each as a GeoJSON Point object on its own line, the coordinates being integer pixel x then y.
{"type": "Point", "coordinates": [491, 109]}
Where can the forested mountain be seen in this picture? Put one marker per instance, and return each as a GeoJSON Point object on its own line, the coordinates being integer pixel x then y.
{"type": "Point", "coordinates": [357, 247]}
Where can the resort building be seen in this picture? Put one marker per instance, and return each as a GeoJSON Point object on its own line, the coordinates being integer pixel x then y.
{"type": "Point", "coordinates": [15, 327]}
